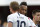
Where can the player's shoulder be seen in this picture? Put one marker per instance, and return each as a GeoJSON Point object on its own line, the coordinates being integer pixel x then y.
{"type": "Point", "coordinates": [24, 16]}
{"type": "Point", "coordinates": [11, 15]}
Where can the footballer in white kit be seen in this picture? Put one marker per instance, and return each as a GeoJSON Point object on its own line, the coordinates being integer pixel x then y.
{"type": "Point", "coordinates": [19, 20]}
{"type": "Point", "coordinates": [16, 19]}
{"type": "Point", "coordinates": [23, 10]}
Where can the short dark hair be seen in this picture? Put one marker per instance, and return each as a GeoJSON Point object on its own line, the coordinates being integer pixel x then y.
{"type": "Point", "coordinates": [36, 10]}
{"type": "Point", "coordinates": [14, 5]}
{"type": "Point", "coordinates": [23, 3]}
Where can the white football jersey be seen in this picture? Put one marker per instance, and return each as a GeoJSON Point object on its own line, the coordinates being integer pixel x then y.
{"type": "Point", "coordinates": [32, 23]}
{"type": "Point", "coordinates": [18, 20]}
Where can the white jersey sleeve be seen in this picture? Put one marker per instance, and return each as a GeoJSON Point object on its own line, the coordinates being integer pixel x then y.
{"type": "Point", "coordinates": [32, 23]}
{"type": "Point", "coordinates": [10, 19]}
{"type": "Point", "coordinates": [28, 24]}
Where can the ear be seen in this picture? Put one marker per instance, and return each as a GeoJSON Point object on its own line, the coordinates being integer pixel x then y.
{"type": "Point", "coordinates": [19, 8]}
{"type": "Point", "coordinates": [33, 16]}
{"type": "Point", "coordinates": [9, 7]}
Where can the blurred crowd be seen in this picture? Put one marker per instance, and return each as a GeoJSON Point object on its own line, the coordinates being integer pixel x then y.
{"type": "Point", "coordinates": [2, 24]}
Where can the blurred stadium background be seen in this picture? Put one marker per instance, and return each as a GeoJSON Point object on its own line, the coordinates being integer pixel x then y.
{"type": "Point", "coordinates": [4, 7]}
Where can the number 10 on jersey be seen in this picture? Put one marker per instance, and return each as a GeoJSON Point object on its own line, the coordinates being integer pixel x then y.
{"type": "Point", "coordinates": [22, 22]}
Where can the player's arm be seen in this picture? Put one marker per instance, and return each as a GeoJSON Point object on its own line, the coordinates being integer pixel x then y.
{"type": "Point", "coordinates": [10, 24]}
{"type": "Point", "coordinates": [10, 21]}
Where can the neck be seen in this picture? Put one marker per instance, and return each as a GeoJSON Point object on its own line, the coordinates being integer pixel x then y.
{"type": "Point", "coordinates": [13, 12]}
{"type": "Point", "coordinates": [34, 21]}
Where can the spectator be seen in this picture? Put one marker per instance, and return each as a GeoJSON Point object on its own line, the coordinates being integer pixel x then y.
{"type": "Point", "coordinates": [36, 17]}
{"type": "Point", "coordinates": [5, 24]}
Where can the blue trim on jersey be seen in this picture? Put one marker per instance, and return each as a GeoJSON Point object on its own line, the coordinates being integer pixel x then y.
{"type": "Point", "coordinates": [10, 21]}
{"type": "Point", "coordinates": [18, 14]}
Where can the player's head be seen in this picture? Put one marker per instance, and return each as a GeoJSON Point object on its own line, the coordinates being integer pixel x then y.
{"type": "Point", "coordinates": [14, 6]}
{"type": "Point", "coordinates": [23, 8]}
{"type": "Point", "coordinates": [36, 15]}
